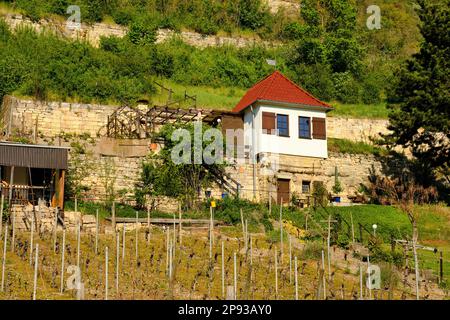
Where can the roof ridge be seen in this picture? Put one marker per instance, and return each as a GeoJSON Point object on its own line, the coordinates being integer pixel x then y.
{"type": "Point", "coordinates": [273, 75]}
{"type": "Point", "coordinates": [277, 87]}
{"type": "Point", "coordinates": [303, 90]}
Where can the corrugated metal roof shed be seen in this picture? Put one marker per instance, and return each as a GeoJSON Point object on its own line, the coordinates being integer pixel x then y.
{"type": "Point", "coordinates": [33, 156]}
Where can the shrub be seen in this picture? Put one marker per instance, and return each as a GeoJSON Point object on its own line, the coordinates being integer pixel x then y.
{"type": "Point", "coordinates": [347, 89]}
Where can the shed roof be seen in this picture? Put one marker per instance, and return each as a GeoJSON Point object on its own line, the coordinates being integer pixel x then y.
{"type": "Point", "coordinates": [278, 88]}
{"type": "Point", "coordinates": [33, 156]}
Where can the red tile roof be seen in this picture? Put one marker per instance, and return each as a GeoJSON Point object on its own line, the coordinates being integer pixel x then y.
{"type": "Point", "coordinates": [276, 87]}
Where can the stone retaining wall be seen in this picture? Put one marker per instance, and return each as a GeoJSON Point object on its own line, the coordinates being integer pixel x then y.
{"type": "Point", "coordinates": [54, 118]}
{"type": "Point", "coordinates": [43, 218]}
{"type": "Point", "coordinates": [118, 162]}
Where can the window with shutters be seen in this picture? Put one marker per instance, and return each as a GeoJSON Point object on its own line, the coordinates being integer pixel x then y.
{"type": "Point", "coordinates": [319, 128]}
{"type": "Point", "coordinates": [304, 127]}
{"type": "Point", "coordinates": [283, 125]}
{"type": "Point", "coordinates": [268, 122]}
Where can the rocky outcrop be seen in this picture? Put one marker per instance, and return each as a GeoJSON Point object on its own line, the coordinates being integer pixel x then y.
{"type": "Point", "coordinates": [93, 33]}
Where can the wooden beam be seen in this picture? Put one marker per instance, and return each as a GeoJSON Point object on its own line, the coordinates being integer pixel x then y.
{"type": "Point", "coordinates": [61, 186]}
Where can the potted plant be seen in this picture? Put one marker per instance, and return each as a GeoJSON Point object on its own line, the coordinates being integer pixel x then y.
{"type": "Point", "coordinates": [337, 188]}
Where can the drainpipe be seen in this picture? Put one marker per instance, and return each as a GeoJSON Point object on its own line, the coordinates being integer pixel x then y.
{"type": "Point", "coordinates": [253, 151]}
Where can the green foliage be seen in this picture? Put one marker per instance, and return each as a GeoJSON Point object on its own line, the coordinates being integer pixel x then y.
{"type": "Point", "coordinates": [45, 66]}
{"type": "Point", "coordinates": [352, 147]}
{"type": "Point", "coordinates": [420, 117]}
{"type": "Point", "coordinates": [320, 193]}
{"type": "Point", "coordinates": [142, 33]}
{"type": "Point", "coordinates": [162, 175]}
{"type": "Point", "coordinates": [81, 166]}
{"type": "Point", "coordinates": [337, 188]}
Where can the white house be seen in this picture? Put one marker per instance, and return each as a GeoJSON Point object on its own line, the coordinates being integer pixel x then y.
{"type": "Point", "coordinates": [284, 119]}
{"type": "Point", "coordinates": [280, 118]}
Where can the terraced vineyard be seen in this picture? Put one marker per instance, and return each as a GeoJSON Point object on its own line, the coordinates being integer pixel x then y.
{"type": "Point", "coordinates": [143, 270]}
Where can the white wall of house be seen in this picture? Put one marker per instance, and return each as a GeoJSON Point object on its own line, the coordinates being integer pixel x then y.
{"type": "Point", "coordinates": [292, 145]}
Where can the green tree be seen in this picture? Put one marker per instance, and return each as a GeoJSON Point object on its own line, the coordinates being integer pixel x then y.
{"type": "Point", "coordinates": [161, 176]}
{"type": "Point", "coordinates": [420, 103]}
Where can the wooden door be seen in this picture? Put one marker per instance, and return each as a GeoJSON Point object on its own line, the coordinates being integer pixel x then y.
{"type": "Point", "coordinates": [283, 190]}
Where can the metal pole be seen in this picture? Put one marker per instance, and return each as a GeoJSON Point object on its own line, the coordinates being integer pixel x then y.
{"type": "Point", "coordinates": [36, 262]}
{"type": "Point", "coordinates": [370, 280]}
{"type": "Point", "coordinates": [31, 239]}
{"type": "Point", "coordinates": [323, 276]}
{"type": "Point", "coordinates": [148, 225]}
{"type": "Point", "coordinates": [251, 250]}
{"type": "Point", "coordinates": [290, 258]}
{"type": "Point", "coordinates": [181, 224]}
{"type": "Point", "coordinates": [55, 234]}
{"type": "Point", "coordinates": [235, 277]}
{"type": "Point", "coordinates": [5, 239]}
{"type": "Point", "coordinates": [137, 237]}
{"type": "Point", "coordinates": [106, 273]}
{"type": "Point", "coordinates": [96, 232]}
{"type": "Point", "coordinates": [123, 243]}
{"type": "Point", "coordinates": [2, 202]}
{"type": "Point", "coordinates": [276, 275]}
{"type": "Point", "coordinates": [117, 261]}
{"type": "Point", "coordinates": [78, 244]}
{"type": "Point", "coordinates": [328, 248]}
{"type": "Point", "coordinates": [174, 236]}
{"type": "Point", "coordinates": [223, 272]}
{"type": "Point", "coordinates": [167, 249]}
{"type": "Point", "coordinates": [296, 278]}
{"type": "Point", "coordinates": [253, 152]}
{"type": "Point", "coordinates": [281, 229]}
{"type": "Point", "coordinates": [360, 283]}
{"type": "Point", "coordinates": [13, 230]}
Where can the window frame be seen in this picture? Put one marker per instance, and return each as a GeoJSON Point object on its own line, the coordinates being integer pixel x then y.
{"type": "Point", "coordinates": [287, 125]}
{"type": "Point", "coordinates": [309, 126]}
{"type": "Point", "coordinates": [306, 183]}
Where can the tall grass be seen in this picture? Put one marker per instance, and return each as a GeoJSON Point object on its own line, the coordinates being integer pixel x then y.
{"type": "Point", "coordinates": [352, 147]}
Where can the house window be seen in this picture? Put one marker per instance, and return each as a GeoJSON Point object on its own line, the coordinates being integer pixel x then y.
{"type": "Point", "coordinates": [306, 187]}
{"type": "Point", "coordinates": [304, 127]}
{"type": "Point", "coordinates": [319, 128]}
{"type": "Point", "coordinates": [268, 122]}
{"type": "Point", "coordinates": [283, 125]}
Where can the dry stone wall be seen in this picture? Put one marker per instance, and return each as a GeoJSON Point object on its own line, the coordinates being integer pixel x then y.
{"type": "Point", "coordinates": [43, 218]}
{"type": "Point", "coordinates": [356, 129]}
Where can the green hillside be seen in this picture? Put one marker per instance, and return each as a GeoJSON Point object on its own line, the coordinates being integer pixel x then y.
{"type": "Point", "coordinates": [326, 48]}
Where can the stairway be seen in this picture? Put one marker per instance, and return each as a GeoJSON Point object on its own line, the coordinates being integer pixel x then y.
{"type": "Point", "coordinates": [228, 184]}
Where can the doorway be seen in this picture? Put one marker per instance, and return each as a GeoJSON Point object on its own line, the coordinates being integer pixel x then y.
{"type": "Point", "coordinates": [283, 191]}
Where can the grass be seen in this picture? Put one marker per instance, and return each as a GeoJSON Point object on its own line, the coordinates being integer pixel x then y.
{"type": "Point", "coordinates": [352, 147]}
{"type": "Point", "coordinates": [377, 111]}
{"type": "Point", "coordinates": [207, 97]}
{"type": "Point", "coordinates": [226, 98]}
{"type": "Point", "coordinates": [433, 222]}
